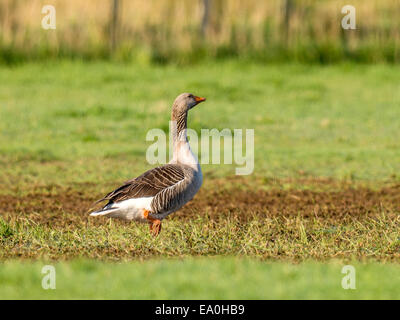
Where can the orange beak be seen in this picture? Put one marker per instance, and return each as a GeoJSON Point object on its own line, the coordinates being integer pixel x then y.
{"type": "Point", "coordinates": [199, 99]}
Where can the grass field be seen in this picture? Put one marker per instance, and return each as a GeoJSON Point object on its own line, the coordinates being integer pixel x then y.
{"type": "Point", "coordinates": [83, 123]}
{"type": "Point", "coordinates": [325, 186]}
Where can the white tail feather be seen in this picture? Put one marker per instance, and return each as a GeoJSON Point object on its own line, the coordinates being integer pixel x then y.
{"type": "Point", "coordinates": [103, 212]}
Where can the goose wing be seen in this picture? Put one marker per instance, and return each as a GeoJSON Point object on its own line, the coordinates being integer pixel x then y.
{"type": "Point", "coordinates": [148, 184]}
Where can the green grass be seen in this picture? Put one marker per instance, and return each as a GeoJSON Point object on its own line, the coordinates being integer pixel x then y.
{"type": "Point", "coordinates": [289, 238]}
{"type": "Point", "coordinates": [68, 122]}
{"type": "Point", "coordinates": [70, 131]}
{"type": "Point", "coordinates": [212, 278]}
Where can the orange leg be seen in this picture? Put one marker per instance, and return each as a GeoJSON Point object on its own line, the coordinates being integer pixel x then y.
{"type": "Point", "coordinates": [155, 224]}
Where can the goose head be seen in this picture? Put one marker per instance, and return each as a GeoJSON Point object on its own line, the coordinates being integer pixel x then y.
{"type": "Point", "coordinates": [184, 102]}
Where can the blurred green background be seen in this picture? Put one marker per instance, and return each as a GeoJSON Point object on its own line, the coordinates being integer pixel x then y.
{"type": "Point", "coordinates": [201, 278]}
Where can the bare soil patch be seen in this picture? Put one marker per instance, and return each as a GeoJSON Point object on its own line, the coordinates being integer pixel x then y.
{"type": "Point", "coordinates": [66, 205]}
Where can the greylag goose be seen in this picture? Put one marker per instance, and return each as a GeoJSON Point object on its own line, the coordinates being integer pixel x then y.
{"type": "Point", "coordinates": [165, 189]}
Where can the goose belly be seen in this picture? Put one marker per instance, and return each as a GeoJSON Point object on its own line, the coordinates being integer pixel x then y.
{"type": "Point", "coordinates": [131, 209]}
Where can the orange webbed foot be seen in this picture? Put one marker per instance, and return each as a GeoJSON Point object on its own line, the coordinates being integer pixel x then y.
{"type": "Point", "coordinates": [155, 224]}
{"type": "Point", "coordinates": [155, 227]}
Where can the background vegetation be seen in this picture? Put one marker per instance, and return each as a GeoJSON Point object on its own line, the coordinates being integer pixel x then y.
{"type": "Point", "coordinates": [183, 32]}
